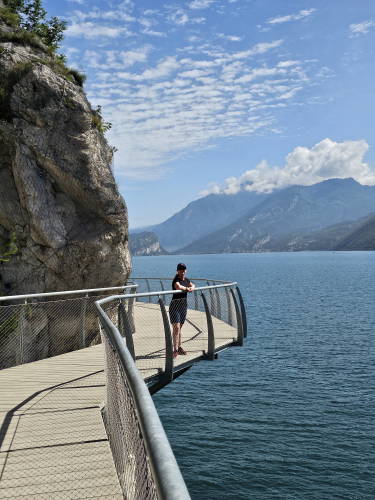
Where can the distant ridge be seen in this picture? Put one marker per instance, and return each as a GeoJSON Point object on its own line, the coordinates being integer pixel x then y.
{"type": "Point", "coordinates": [361, 238]}
{"type": "Point", "coordinates": [296, 209]}
{"type": "Point", "coordinates": [201, 217]}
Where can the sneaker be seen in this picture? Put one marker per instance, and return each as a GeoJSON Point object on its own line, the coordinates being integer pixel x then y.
{"type": "Point", "coordinates": [181, 350]}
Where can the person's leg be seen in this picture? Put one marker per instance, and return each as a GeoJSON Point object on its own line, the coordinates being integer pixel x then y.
{"type": "Point", "coordinates": [181, 350]}
{"type": "Point", "coordinates": [176, 336]}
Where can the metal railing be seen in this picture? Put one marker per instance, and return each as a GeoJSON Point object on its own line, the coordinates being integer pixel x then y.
{"type": "Point", "coordinates": [136, 330]}
{"type": "Point", "coordinates": [144, 460]}
{"type": "Point", "coordinates": [38, 326]}
{"type": "Point", "coordinates": [145, 463]}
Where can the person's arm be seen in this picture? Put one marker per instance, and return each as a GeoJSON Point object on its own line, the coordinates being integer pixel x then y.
{"type": "Point", "coordinates": [178, 286]}
{"type": "Point", "coordinates": [191, 286]}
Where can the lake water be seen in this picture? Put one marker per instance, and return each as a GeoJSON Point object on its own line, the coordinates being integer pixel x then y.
{"type": "Point", "coordinates": [292, 414]}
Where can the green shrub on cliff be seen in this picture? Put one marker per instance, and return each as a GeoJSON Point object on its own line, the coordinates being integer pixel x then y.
{"type": "Point", "coordinates": [6, 87]}
{"type": "Point", "coordinates": [9, 17]}
{"type": "Point", "coordinates": [24, 38]}
{"type": "Point", "coordinates": [98, 122]}
{"type": "Point", "coordinates": [8, 248]}
{"type": "Point", "coordinates": [32, 18]}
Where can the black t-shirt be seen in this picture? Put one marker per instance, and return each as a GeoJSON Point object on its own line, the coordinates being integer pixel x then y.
{"type": "Point", "coordinates": [184, 282]}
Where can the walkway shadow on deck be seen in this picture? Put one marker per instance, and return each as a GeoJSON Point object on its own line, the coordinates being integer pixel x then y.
{"type": "Point", "coordinates": [10, 415]}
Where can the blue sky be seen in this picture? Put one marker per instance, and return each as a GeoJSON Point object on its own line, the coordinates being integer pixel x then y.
{"type": "Point", "coordinates": [221, 95]}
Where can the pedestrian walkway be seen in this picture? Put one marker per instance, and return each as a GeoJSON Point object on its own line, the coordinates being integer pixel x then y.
{"type": "Point", "coordinates": [53, 444]}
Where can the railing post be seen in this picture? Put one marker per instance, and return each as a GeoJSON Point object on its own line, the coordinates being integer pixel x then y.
{"type": "Point", "coordinates": [196, 306]}
{"type": "Point", "coordinates": [168, 370]}
{"type": "Point", "coordinates": [229, 305]}
{"type": "Point", "coordinates": [162, 285]}
{"type": "Point", "coordinates": [22, 333]}
{"type": "Point", "coordinates": [148, 289]}
{"type": "Point", "coordinates": [83, 321]}
{"type": "Point", "coordinates": [239, 320]}
{"type": "Point", "coordinates": [210, 354]}
{"type": "Point", "coordinates": [218, 305]}
{"type": "Point", "coordinates": [126, 328]}
{"type": "Point", "coordinates": [130, 310]}
{"type": "Point", "coordinates": [243, 312]}
{"type": "Point", "coordinates": [211, 298]}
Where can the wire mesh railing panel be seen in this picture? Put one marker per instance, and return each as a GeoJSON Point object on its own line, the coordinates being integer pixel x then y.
{"type": "Point", "coordinates": [11, 325]}
{"type": "Point", "coordinates": [223, 312]}
{"type": "Point", "coordinates": [42, 328]}
{"type": "Point", "coordinates": [149, 338]}
{"type": "Point", "coordinates": [125, 436]}
{"type": "Point", "coordinates": [194, 332]}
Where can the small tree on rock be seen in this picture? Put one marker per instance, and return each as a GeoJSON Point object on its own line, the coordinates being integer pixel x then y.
{"type": "Point", "coordinates": [33, 19]}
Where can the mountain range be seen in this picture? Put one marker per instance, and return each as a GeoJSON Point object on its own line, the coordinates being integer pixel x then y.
{"type": "Point", "coordinates": [318, 217]}
{"type": "Point", "coordinates": [201, 217]}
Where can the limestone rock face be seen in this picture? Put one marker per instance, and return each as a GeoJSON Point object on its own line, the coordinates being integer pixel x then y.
{"type": "Point", "coordinates": [145, 243]}
{"type": "Point", "coordinates": [57, 192]}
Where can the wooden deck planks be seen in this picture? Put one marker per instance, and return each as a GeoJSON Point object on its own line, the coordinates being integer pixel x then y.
{"type": "Point", "coordinates": [53, 441]}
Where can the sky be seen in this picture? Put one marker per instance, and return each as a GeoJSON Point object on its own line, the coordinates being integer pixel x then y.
{"type": "Point", "coordinates": [215, 96]}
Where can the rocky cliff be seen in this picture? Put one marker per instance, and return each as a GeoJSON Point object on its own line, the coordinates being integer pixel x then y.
{"type": "Point", "coordinates": [60, 208]}
{"type": "Point", "coordinates": [145, 243]}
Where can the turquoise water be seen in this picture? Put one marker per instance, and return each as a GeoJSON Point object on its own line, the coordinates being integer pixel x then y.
{"type": "Point", "coordinates": [292, 414]}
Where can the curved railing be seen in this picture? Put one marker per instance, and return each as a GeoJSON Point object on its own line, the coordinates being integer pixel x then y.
{"type": "Point", "coordinates": [216, 314]}
{"type": "Point", "coordinates": [145, 463]}
{"type": "Point", "coordinates": [137, 334]}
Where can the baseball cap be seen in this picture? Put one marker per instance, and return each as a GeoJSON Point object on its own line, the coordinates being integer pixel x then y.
{"type": "Point", "coordinates": [181, 265]}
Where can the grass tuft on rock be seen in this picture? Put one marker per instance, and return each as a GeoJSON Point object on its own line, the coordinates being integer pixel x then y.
{"type": "Point", "coordinates": [9, 17]}
{"type": "Point", "coordinates": [7, 83]}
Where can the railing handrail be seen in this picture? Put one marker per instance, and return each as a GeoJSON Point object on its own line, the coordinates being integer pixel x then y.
{"type": "Point", "coordinates": [165, 292]}
{"type": "Point", "coordinates": [168, 278]}
{"type": "Point", "coordinates": [65, 292]}
{"type": "Point", "coordinates": [168, 479]}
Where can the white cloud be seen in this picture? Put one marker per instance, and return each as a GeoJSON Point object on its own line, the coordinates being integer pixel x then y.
{"type": "Point", "coordinates": [303, 166]}
{"type": "Point", "coordinates": [200, 4]}
{"type": "Point", "coordinates": [182, 106]}
{"type": "Point", "coordinates": [361, 28]}
{"type": "Point", "coordinates": [259, 48]}
{"type": "Point", "coordinates": [115, 59]}
{"type": "Point", "coordinates": [230, 38]}
{"type": "Point", "coordinates": [161, 70]}
{"type": "Point", "coordinates": [150, 32]}
{"type": "Point", "coordinates": [291, 17]}
{"type": "Point", "coordinates": [93, 30]}
{"type": "Point", "coordinates": [179, 17]}
{"type": "Point", "coordinates": [95, 14]}
{"type": "Point", "coordinates": [164, 109]}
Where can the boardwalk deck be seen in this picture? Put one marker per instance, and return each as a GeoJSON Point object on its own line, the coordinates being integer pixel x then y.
{"type": "Point", "coordinates": [53, 443]}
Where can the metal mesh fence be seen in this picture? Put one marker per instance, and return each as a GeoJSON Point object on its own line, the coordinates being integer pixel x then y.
{"type": "Point", "coordinates": [125, 435]}
{"type": "Point", "coordinates": [43, 327]}
{"type": "Point", "coordinates": [48, 436]}
{"type": "Point", "coordinates": [145, 332]}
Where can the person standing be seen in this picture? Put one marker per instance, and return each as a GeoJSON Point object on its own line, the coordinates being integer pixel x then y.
{"type": "Point", "coordinates": [178, 306]}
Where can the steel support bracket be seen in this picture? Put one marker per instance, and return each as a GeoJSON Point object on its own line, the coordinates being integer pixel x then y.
{"type": "Point", "coordinates": [210, 354]}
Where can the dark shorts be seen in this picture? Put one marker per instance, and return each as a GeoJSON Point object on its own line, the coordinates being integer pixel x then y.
{"type": "Point", "coordinates": [177, 311]}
